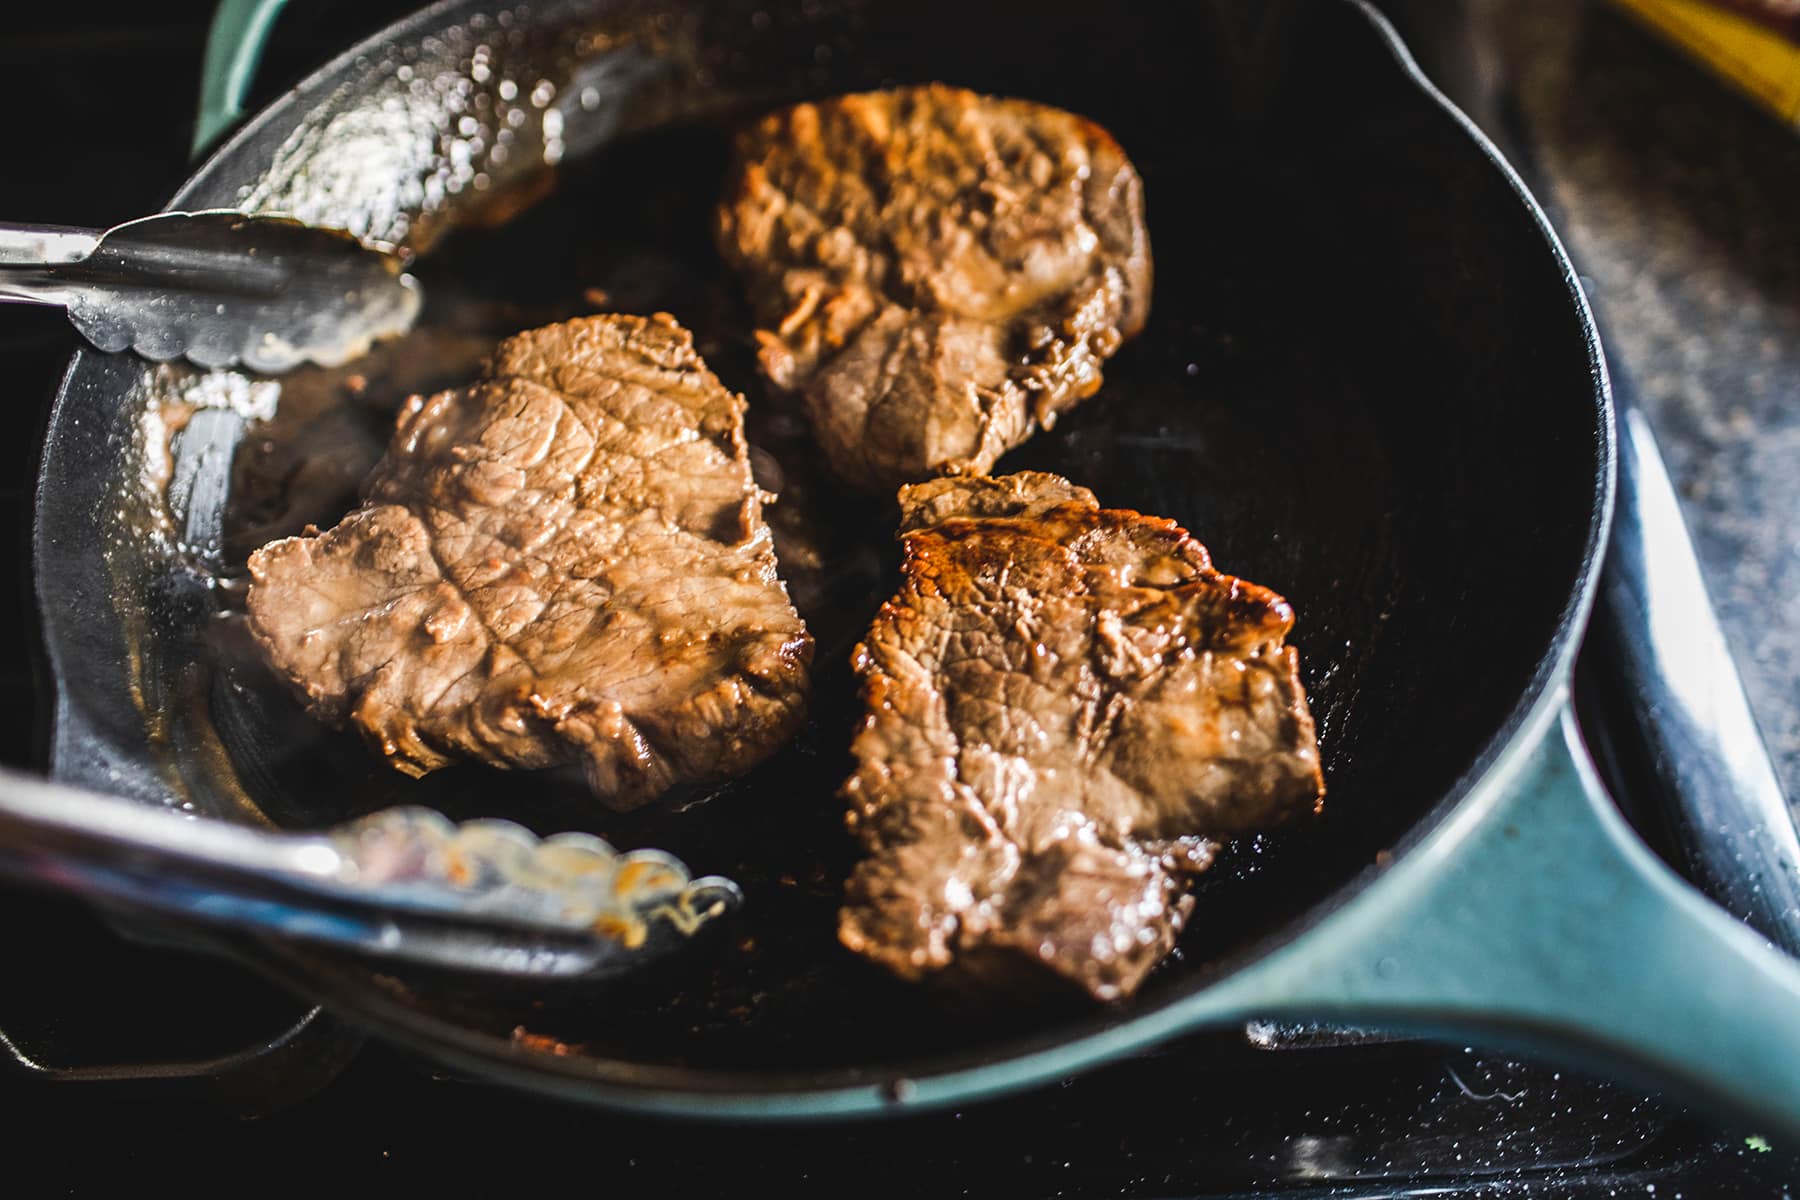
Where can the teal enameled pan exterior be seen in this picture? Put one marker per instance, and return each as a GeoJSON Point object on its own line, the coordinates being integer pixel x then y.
{"type": "Point", "coordinates": [234, 46]}
{"type": "Point", "coordinates": [1479, 884]}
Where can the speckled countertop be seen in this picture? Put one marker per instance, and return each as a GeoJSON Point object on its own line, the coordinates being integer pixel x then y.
{"type": "Point", "coordinates": [1680, 203]}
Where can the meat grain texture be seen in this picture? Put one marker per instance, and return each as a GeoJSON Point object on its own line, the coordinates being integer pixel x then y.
{"type": "Point", "coordinates": [937, 273]}
{"type": "Point", "coordinates": [565, 562]}
{"type": "Point", "coordinates": [1066, 705]}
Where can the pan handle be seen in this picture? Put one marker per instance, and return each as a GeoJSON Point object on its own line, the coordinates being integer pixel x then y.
{"type": "Point", "coordinates": [234, 46]}
{"type": "Point", "coordinates": [1536, 918]}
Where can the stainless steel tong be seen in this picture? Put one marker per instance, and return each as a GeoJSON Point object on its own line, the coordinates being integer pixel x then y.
{"type": "Point", "coordinates": [216, 288]}
{"type": "Point", "coordinates": [404, 884]}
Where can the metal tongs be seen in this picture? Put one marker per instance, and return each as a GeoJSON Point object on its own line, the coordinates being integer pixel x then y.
{"type": "Point", "coordinates": [217, 288]}
{"type": "Point", "coordinates": [221, 288]}
{"type": "Point", "coordinates": [405, 884]}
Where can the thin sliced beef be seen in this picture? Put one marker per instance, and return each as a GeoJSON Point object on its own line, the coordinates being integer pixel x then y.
{"type": "Point", "coordinates": [1066, 704]}
{"type": "Point", "coordinates": [938, 273]}
{"type": "Point", "coordinates": [565, 562]}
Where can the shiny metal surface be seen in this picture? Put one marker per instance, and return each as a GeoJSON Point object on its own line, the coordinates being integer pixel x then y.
{"type": "Point", "coordinates": [402, 884]}
{"type": "Point", "coordinates": [216, 288]}
{"type": "Point", "coordinates": [44, 245]}
{"type": "Point", "coordinates": [1713, 779]}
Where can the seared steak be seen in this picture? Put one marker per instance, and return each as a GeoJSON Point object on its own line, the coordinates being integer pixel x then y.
{"type": "Point", "coordinates": [565, 562]}
{"type": "Point", "coordinates": [938, 273]}
{"type": "Point", "coordinates": [1065, 705]}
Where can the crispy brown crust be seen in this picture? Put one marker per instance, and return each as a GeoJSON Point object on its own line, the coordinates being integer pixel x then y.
{"type": "Point", "coordinates": [936, 272]}
{"type": "Point", "coordinates": [565, 562]}
{"type": "Point", "coordinates": [1065, 704]}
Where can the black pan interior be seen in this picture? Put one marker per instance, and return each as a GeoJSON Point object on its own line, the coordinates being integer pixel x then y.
{"type": "Point", "coordinates": [1364, 384]}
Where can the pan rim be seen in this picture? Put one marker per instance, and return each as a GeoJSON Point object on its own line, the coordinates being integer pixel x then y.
{"type": "Point", "coordinates": [700, 1092]}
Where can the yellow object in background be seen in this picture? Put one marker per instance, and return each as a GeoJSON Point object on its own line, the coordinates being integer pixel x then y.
{"type": "Point", "coordinates": [1760, 61]}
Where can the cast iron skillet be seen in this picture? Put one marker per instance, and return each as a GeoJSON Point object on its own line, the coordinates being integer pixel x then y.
{"type": "Point", "coordinates": [1370, 382]}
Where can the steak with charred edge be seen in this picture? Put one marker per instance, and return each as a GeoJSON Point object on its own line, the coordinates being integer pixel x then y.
{"type": "Point", "coordinates": [1066, 706]}
{"type": "Point", "coordinates": [937, 273]}
{"type": "Point", "coordinates": [564, 562]}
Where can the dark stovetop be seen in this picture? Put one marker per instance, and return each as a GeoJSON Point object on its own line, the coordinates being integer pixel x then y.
{"type": "Point", "coordinates": [104, 104]}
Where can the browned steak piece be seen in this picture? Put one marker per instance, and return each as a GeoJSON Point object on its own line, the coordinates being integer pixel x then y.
{"type": "Point", "coordinates": [565, 562]}
{"type": "Point", "coordinates": [1065, 704]}
{"type": "Point", "coordinates": [937, 272]}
